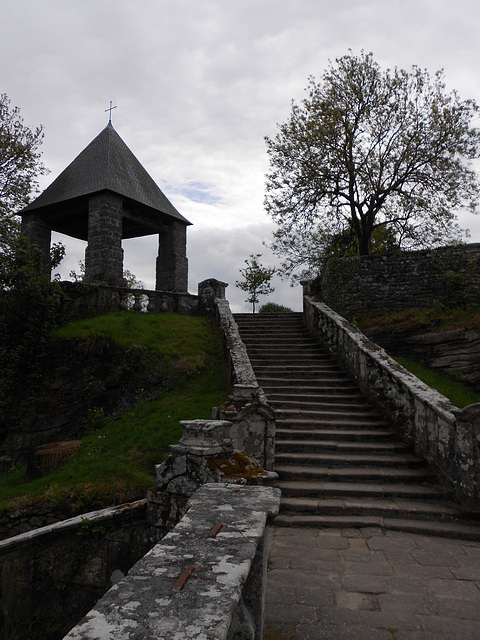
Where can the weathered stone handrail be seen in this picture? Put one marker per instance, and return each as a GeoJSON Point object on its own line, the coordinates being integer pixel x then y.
{"type": "Point", "coordinates": [448, 438]}
{"type": "Point", "coordinates": [248, 408]}
{"type": "Point", "coordinates": [242, 375]}
{"type": "Point", "coordinates": [204, 581]}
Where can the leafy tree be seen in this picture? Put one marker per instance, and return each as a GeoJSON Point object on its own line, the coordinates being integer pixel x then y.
{"type": "Point", "coordinates": [369, 150]}
{"type": "Point", "coordinates": [19, 166]}
{"type": "Point", "coordinates": [130, 278]}
{"type": "Point", "coordinates": [29, 308]}
{"type": "Point", "coordinates": [305, 251]}
{"type": "Point", "coordinates": [256, 279]}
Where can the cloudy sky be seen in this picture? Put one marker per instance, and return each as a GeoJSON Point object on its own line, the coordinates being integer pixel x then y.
{"type": "Point", "coordinates": [197, 86]}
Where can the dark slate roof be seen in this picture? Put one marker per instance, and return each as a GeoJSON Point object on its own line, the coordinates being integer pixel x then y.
{"type": "Point", "coordinates": [106, 164]}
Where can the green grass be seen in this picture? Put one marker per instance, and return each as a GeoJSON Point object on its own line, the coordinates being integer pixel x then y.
{"type": "Point", "coordinates": [459, 395]}
{"type": "Point", "coordinates": [436, 318]}
{"type": "Point", "coordinates": [115, 462]}
{"type": "Point", "coordinates": [176, 337]}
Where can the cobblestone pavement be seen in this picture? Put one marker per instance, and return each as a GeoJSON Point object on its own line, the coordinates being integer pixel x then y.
{"type": "Point", "coordinates": [371, 584]}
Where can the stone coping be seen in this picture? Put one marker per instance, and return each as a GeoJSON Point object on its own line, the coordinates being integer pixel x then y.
{"type": "Point", "coordinates": [243, 373]}
{"type": "Point", "coordinates": [121, 512]}
{"type": "Point", "coordinates": [445, 436]}
{"type": "Point", "coordinates": [377, 354]}
{"type": "Point", "coordinates": [190, 584]}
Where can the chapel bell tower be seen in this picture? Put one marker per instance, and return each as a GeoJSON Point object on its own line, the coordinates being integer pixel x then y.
{"type": "Point", "coordinates": [103, 196]}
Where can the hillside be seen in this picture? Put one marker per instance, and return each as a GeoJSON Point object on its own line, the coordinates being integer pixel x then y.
{"type": "Point", "coordinates": [444, 340]}
{"type": "Point", "coordinates": [117, 385]}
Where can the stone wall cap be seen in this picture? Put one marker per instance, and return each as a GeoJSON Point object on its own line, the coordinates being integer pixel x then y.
{"type": "Point", "coordinates": [147, 603]}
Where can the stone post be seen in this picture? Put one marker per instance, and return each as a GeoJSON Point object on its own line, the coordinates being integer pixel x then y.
{"type": "Point", "coordinates": [467, 455]}
{"type": "Point", "coordinates": [208, 291]}
{"type": "Point", "coordinates": [38, 232]}
{"type": "Point", "coordinates": [172, 263]}
{"type": "Point", "coordinates": [104, 253]}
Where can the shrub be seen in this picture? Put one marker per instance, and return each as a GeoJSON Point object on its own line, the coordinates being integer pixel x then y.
{"type": "Point", "coordinates": [272, 307]}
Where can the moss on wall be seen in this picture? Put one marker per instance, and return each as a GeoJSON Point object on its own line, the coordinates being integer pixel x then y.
{"type": "Point", "coordinates": [356, 286]}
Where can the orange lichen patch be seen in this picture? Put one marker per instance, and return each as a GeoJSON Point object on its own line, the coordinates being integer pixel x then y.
{"type": "Point", "coordinates": [238, 465]}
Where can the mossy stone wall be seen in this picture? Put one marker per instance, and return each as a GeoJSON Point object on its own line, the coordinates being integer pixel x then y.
{"type": "Point", "coordinates": [358, 286]}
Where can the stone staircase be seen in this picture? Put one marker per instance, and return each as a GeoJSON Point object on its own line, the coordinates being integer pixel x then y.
{"type": "Point", "coordinates": [340, 462]}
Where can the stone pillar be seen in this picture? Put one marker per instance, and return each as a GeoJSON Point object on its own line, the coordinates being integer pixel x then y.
{"type": "Point", "coordinates": [104, 253]}
{"type": "Point", "coordinates": [38, 232]}
{"type": "Point", "coordinates": [208, 291]}
{"type": "Point", "coordinates": [466, 456]}
{"type": "Point", "coordinates": [172, 263]}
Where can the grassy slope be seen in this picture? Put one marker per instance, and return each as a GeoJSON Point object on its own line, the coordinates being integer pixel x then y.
{"type": "Point", "coordinates": [432, 319]}
{"type": "Point", "coordinates": [456, 392]}
{"type": "Point", "coordinates": [116, 460]}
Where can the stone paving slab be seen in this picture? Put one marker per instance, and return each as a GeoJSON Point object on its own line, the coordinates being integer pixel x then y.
{"type": "Point", "coordinates": [371, 584]}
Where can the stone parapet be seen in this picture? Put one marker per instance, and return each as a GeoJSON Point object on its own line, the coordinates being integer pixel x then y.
{"type": "Point", "coordinates": [240, 367]}
{"type": "Point", "coordinates": [83, 300]}
{"type": "Point", "coordinates": [447, 438]}
{"type": "Point", "coordinates": [52, 576]}
{"type": "Point", "coordinates": [247, 407]}
{"type": "Point", "coordinates": [205, 579]}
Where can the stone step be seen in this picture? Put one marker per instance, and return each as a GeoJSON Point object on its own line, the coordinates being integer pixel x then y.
{"type": "Point", "coordinates": [453, 530]}
{"type": "Point", "coordinates": [308, 381]}
{"type": "Point", "coordinates": [365, 436]}
{"type": "Point", "coordinates": [292, 330]}
{"type": "Point", "coordinates": [317, 402]}
{"type": "Point", "coordinates": [385, 507]}
{"type": "Point", "coordinates": [351, 473]}
{"type": "Point", "coordinates": [289, 336]}
{"type": "Point", "coordinates": [330, 390]}
{"type": "Point", "coordinates": [340, 463]}
{"type": "Point", "coordinates": [337, 489]}
{"type": "Point", "coordinates": [293, 317]}
{"type": "Point", "coordinates": [287, 357]}
{"type": "Point", "coordinates": [328, 412]}
{"type": "Point", "coordinates": [342, 423]}
{"type": "Point", "coordinates": [287, 445]}
{"type": "Point", "coordinates": [300, 366]}
{"type": "Point", "coordinates": [279, 398]}
{"type": "Point", "coordinates": [302, 370]}
{"type": "Point", "coordinates": [377, 460]}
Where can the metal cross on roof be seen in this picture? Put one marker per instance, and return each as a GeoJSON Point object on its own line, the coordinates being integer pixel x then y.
{"type": "Point", "coordinates": [110, 109]}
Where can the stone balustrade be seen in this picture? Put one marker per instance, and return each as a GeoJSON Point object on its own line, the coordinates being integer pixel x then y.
{"type": "Point", "coordinates": [205, 580]}
{"type": "Point", "coordinates": [447, 437]}
{"type": "Point", "coordinates": [81, 299]}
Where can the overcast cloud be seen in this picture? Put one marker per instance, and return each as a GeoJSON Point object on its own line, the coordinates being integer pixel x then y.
{"type": "Point", "coordinates": [198, 85]}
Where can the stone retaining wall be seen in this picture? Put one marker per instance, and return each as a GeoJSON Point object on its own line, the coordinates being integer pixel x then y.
{"type": "Point", "coordinates": [447, 437]}
{"type": "Point", "coordinates": [453, 353]}
{"type": "Point", "coordinates": [41, 594]}
{"type": "Point", "coordinates": [15, 523]}
{"type": "Point", "coordinates": [409, 279]}
{"type": "Point", "coordinates": [205, 579]}
{"type": "Point", "coordinates": [51, 577]}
